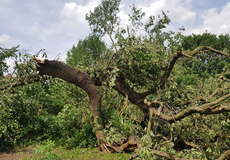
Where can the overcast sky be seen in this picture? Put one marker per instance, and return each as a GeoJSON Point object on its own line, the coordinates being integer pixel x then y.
{"type": "Point", "coordinates": [56, 25]}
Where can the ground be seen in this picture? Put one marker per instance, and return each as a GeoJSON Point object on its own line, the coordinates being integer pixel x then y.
{"type": "Point", "coordinates": [17, 154]}
{"type": "Point", "coordinates": [27, 153]}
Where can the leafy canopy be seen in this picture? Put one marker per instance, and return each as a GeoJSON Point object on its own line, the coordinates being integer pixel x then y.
{"type": "Point", "coordinates": [86, 51]}
{"type": "Point", "coordinates": [140, 60]}
{"type": "Point", "coordinates": [104, 19]}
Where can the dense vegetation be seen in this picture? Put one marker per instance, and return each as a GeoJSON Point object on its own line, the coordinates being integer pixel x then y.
{"type": "Point", "coordinates": [164, 94]}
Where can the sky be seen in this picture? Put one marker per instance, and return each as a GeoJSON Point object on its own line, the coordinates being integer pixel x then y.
{"type": "Point", "coordinates": [57, 25]}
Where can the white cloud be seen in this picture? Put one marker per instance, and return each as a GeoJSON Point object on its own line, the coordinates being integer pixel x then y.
{"type": "Point", "coordinates": [76, 12]}
{"type": "Point", "coordinates": [217, 22]}
{"type": "Point", "coordinates": [4, 39]}
{"type": "Point", "coordinates": [214, 21]}
{"type": "Point", "coordinates": [179, 10]}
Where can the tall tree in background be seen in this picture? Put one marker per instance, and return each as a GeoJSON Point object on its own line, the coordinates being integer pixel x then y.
{"type": "Point", "coordinates": [104, 19]}
{"type": "Point", "coordinates": [87, 50]}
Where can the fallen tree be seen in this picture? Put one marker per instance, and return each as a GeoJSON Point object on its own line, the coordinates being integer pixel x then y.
{"type": "Point", "coordinates": [153, 108]}
{"type": "Point", "coordinates": [184, 110]}
{"type": "Point", "coordinates": [89, 85]}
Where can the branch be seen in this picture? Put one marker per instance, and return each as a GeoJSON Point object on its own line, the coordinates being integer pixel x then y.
{"type": "Point", "coordinates": [169, 156]}
{"type": "Point", "coordinates": [165, 76]}
{"type": "Point", "coordinates": [217, 90]}
{"type": "Point", "coordinates": [192, 110]}
{"type": "Point", "coordinates": [205, 49]}
{"type": "Point", "coordinates": [225, 155]}
{"type": "Point", "coordinates": [133, 96]}
{"type": "Point", "coordinates": [206, 105]}
{"type": "Point", "coordinates": [176, 55]}
{"type": "Point", "coordinates": [208, 108]}
{"type": "Point", "coordinates": [192, 145]}
{"type": "Point", "coordinates": [21, 82]}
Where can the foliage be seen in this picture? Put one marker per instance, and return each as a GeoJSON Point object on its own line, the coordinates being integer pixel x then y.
{"type": "Point", "coordinates": [59, 113]}
{"type": "Point", "coordinates": [206, 64]}
{"type": "Point", "coordinates": [14, 107]}
{"type": "Point", "coordinates": [46, 151]}
{"type": "Point", "coordinates": [104, 19]}
{"type": "Point", "coordinates": [41, 110]}
{"type": "Point", "coordinates": [119, 126]}
{"type": "Point", "coordinates": [4, 54]}
{"type": "Point", "coordinates": [140, 60]}
{"type": "Point", "coordinates": [86, 51]}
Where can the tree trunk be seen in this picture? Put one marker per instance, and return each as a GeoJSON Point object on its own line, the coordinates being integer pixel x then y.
{"type": "Point", "coordinates": [80, 79]}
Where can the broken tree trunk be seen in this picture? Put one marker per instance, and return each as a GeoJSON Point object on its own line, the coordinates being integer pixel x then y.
{"type": "Point", "coordinates": [82, 80]}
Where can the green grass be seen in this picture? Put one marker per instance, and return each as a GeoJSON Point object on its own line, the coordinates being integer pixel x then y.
{"type": "Point", "coordinates": [75, 154]}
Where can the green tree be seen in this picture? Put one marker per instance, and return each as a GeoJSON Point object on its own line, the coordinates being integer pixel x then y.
{"type": "Point", "coordinates": [104, 19]}
{"type": "Point", "coordinates": [86, 51]}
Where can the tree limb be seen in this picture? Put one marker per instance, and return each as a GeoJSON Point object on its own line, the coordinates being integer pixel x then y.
{"type": "Point", "coordinates": [20, 83]}
{"type": "Point", "coordinates": [225, 155]}
{"type": "Point", "coordinates": [133, 96]}
{"type": "Point", "coordinates": [205, 49]}
{"type": "Point", "coordinates": [165, 76]}
{"type": "Point", "coordinates": [176, 55]}
{"type": "Point", "coordinates": [191, 110]}
{"type": "Point", "coordinates": [169, 156]}
{"type": "Point", "coordinates": [217, 90]}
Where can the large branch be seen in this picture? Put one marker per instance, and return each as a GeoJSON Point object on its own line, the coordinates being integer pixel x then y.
{"type": "Point", "coordinates": [133, 96]}
{"type": "Point", "coordinates": [176, 55]}
{"type": "Point", "coordinates": [224, 156]}
{"type": "Point", "coordinates": [206, 49]}
{"type": "Point", "coordinates": [208, 108]}
{"type": "Point", "coordinates": [190, 111]}
{"type": "Point", "coordinates": [165, 76]}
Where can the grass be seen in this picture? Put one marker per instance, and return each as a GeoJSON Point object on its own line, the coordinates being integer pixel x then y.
{"type": "Point", "coordinates": [42, 153]}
